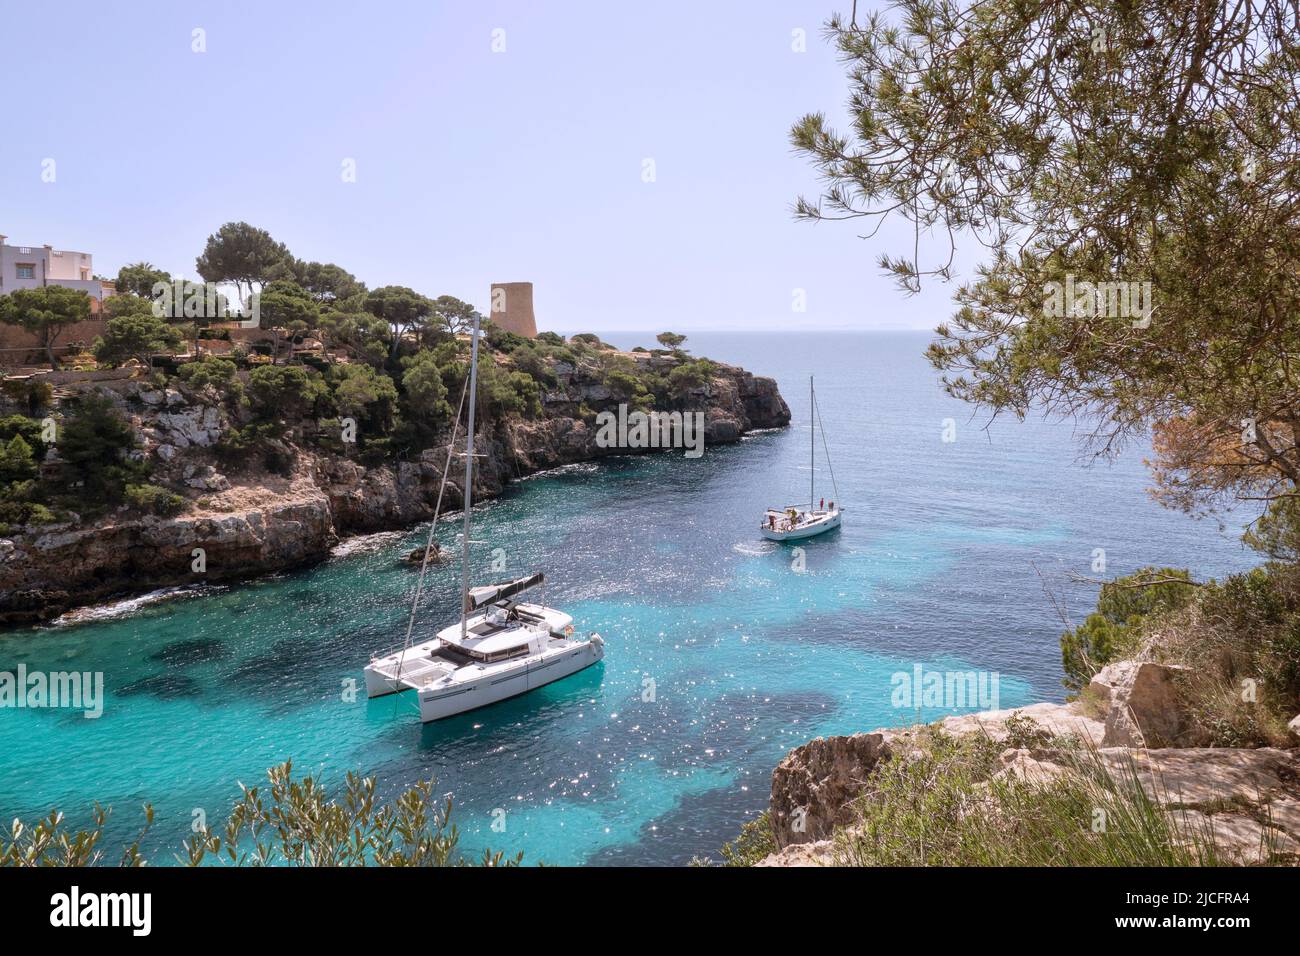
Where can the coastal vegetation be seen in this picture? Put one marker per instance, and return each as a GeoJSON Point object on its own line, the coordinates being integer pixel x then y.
{"type": "Point", "coordinates": [1238, 640]}
{"type": "Point", "coordinates": [947, 805]}
{"type": "Point", "coordinates": [290, 822]}
{"type": "Point", "coordinates": [334, 368]}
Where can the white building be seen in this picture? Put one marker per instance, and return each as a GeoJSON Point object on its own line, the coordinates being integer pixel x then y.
{"type": "Point", "coordinates": [30, 267]}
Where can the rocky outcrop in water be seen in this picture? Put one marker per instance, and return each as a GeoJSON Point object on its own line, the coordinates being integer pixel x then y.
{"type": "Point", "coordinates": [238, 525]}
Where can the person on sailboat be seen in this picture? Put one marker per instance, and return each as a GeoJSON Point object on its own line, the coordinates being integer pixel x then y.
{"type": "Point", "coordinates": [821, 505]}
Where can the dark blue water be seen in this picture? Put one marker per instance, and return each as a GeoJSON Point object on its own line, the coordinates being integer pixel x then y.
{"type": "Point", "coordinates": [720, 656]}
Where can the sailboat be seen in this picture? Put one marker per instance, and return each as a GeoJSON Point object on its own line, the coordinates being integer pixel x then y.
{"type": "Point", "coordinates": [794, 522]}
{"type": "Point", "coordinates": [501, 647]}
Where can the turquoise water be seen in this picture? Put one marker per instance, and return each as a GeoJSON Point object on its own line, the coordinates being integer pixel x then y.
{"type": "Point", "coordinates": [719, 656]}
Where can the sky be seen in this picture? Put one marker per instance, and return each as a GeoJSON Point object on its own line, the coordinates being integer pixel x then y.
{"type": "Point", "coordinates": [630, 160]}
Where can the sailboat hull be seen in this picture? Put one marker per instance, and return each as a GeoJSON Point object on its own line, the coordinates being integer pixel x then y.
{"type": "Point", "coordinates": [809, 529]}
{"type": "Point", "coordinates": [509, 679]}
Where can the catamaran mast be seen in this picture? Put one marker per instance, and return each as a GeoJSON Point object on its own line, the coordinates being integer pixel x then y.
{"type": "Point", "coordinates": [469, 480]}
{"type": "Point", "coordinates": [812, 446]}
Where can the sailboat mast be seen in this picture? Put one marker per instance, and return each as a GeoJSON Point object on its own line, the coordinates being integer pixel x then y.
{"type": "Point", "coordinates": [469, 480]}
{"type": "Point", "coordinates": [812, 445]}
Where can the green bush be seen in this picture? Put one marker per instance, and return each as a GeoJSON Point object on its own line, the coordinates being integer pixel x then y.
{"type": "Point", "coordinates": [33, 393]}
{"type": "Point", "coordinates": [93, 444]}
{"type": "Point", "coordinates": [21, 513]}
{"type": "Point", "coordinates": [754, 843]}
{"type": "Point", "coordinates": [689, 376]}
{"type": "Point", "coordinates": [367, 396]}
{"type": "Point", "coordinates": [293, 822]}
{"type": "Point", "coordinates": [501, 340]}
{"type": "Point", "coordinates": [135, 335]}
{"type": "Point", "coordinates": [154, 500]}
{"type": "Point", "coordinates": [260, 439]}
{"type": "Point", "coordinates": [504, 393]}
{"type": "Point", "coordinates": [29, 428]}
{"type": "Point", "coordinates": [1114, 629]}
{"type": "Point", "coordinates": [221, 374]}
{"type": "Point", "coordinates": [17, 461]}
{"type": "Point", "coordinates": [285, 393]}
{"type": "Point", "coordinates": [939, 804]}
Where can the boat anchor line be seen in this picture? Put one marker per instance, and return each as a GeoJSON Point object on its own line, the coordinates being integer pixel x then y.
{"type": "Point", "coordinates": [502, 646]}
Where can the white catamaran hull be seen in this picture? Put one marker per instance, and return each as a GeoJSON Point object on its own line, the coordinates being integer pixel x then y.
{"type": "Point", "coordinates": [416, 666]}
{"type": "Point", "coordinates": [808, 530]}
{"type": "Point", "coordinates": [509, 679]}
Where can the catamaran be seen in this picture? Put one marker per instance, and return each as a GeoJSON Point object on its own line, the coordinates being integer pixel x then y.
{"type": "Point", "coordinates": [502, 647]}
{"type": "Point", "coordinates": [794, 522]}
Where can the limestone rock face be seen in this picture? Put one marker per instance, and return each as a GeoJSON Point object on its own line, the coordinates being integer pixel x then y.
{"type": "Point", "coordinates": [1247, 802]}
{"type": "Point", "coordinates": [1144, 706]}
{"type": "Point", "coordinates": [82, 565]}
{"type": "Point", "coordinates": [1051, 718]}
{"type": "Point", "coordinates": [255, 523]}
{"type": "Point", "coordinates": [814, 785]}
{"type": "Point", "coordinates": [801, 854]}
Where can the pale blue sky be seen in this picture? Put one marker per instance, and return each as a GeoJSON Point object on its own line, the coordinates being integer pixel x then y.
{"type": "Point", "coordinates": [471, 166]}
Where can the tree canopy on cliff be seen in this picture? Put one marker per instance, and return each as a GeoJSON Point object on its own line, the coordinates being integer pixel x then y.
{"type": "Point", "coordinates": [1132, 173]}
{"type": "Point", "coordinates": [403, 309]}
{"type": "Point", "coordinates": [240, 254]}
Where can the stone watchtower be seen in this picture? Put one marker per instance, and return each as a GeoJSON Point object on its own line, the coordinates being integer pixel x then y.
{"type": "Point", "coordinates": [512, 308]}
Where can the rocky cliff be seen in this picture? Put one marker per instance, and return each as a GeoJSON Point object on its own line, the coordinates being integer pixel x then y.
{"type": "Point", "coordinates": [241, 521]}
{"type": "Point", "coordinates": [1133, 724]}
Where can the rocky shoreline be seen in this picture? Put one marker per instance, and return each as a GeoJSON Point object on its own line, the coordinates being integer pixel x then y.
{"type": "Point", "coordinates": [1131, 721]}
{"type": "Point", "coordinates": [240, 525]}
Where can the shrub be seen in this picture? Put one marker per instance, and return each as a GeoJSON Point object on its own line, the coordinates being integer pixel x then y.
{"type": "Point", "coordinates": [293, 822]}
{"type": "Point", "coordinates": [753, 844]}
{"type": "Point", "coordinates": [260, 439]}
{"type": "Point", "coordinates": [284, 392]}
{"type": "Point", "coordinates": [689, 376]}
{"type": "Point", "coordinates": [505, 393]}
{"type": "Point", "coordinates": [93, 444]}
{"type": "Point", "coordinates": [154, 500]}
{"type": "Point", "coordinates": [367, 396]}
{"type": "Point", "coordinates": [502, 340]}
{"type": "Point", "coordinates": [17, 461]}
{"type": "Point", "coordinates": [21, 513]}
{"type": "Point", "coordinates": [425, 387]}
{"type": "Point", "coordinates": [1241, 644]}
{"type": "Point", "coordinates": [1114, 629]}
{"type": "Point", "coordinates": [221, 374]}
{"type": "Point", "coordinates": [138, 335]}
{"type": "Point", "coordinates": [941, 805]}
{"type": "Point", "coordinates": [33, 393]}
{"type": "Point", "coordinates": [588, 340]}
{"type": "Point", "coordinates": [535, 363]}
